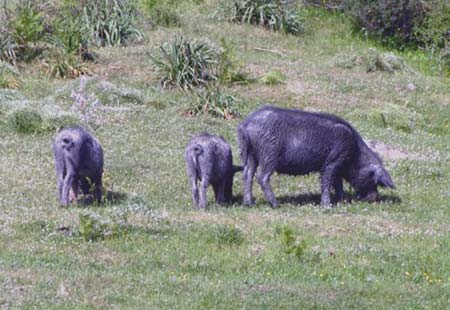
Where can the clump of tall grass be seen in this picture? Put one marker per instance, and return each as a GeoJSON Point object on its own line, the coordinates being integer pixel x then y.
{"type": "Point", "coordinates": [63, 34]}
{"type": "Point", "coordinates": [7, 46]}
{"type": "Point", "coordinates": [212, 101]}
{"type": "Point", "coordinates": [9, 75]}
{"type": "Point", "coordinates": [278, 15]}
{"type": "Point", "coordinates": [185, 64]}
{"type": "Point", "coordinates": [226, 235]}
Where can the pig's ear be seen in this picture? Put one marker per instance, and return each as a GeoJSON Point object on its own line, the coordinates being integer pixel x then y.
{"type": "Point", "coordinates": [382, 178]}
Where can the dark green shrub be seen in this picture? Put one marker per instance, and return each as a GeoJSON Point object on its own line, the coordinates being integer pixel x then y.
{"type": "Point", "coordinates": [434, 31]}
{"type": "Point", "coordinates": [186, 64]}
{"type": "Point", "coordinates": [26, 121]}
{"type": "Point", "coordinates": [390, 21]}
{"type": "Point", "coordinates": [277, 15]}
{"type": "Point", "coordinates": [211, 101]}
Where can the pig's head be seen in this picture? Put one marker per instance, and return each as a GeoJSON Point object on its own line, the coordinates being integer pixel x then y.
{"type": "Point", "coordinates": [366, 175]}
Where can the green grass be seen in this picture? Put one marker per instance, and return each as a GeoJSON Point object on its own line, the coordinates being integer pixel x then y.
{"type": "Point", "coordinates": [167, 255]}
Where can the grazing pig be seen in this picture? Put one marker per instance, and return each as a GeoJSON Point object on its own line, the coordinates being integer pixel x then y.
{"type": "Point", "coordinates": [296, 142]}
{"type": "Point", "coordinates": [78, 155]}
{"type": "Point", "coordinates": [209, 160]}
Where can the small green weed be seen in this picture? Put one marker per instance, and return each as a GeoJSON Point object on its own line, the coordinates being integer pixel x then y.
{"type": "Point", "coordinates": [289, 242]}
{"type": "Point", "coordinates": [230, 68]}
{"type": "Point", "coordinates": [94, 227]}
{"type": "Point", "coordinates": [273, 77]}
{"type": "Point", "coordinates": [225, 235]}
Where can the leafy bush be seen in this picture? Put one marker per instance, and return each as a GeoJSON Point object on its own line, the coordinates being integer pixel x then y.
{"type": "Point", "coordinates": [28, 25]}
{"type": "Point", "coordinates": [277, 15]}
{"type": "Point", "coordinates": [211, 101]}
{"type": "Point", "coordinates": [225, 235]}
{"type": "Point", "coordinates": [389, 21]}
{"type": "Point", "coordinates": [434, 32]}
{"type": "Point", "coordinates": [71, 33]}
{"type": "Point", "coordinates": [186, 64]}
{"type": "Point", "coordinates": [26, 121]}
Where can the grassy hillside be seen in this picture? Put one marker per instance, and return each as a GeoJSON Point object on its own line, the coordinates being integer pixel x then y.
{"type": "Point", "coordinates": [155, 251]}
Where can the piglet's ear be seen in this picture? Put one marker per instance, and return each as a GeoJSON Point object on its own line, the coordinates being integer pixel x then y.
{"type": "Point", "coordinates": [215, 148]}
{"type": "Point", "coordinates": [382, 178]}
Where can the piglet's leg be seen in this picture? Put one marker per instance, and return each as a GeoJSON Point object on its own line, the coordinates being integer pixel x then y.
{"type": "Point", "coordinates": [203, 188]}
{"type": "Point", "coordinates": [68, 180]}
{"type": "Point", "coordinates": [248, 174]}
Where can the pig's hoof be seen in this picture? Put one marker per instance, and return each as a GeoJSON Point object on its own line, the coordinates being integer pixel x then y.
{"type": "Point", "coordinates": [249, 203]}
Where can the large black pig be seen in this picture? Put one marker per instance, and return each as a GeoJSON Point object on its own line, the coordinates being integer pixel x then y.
{"type": "Point", "coordinates": [297, 142]}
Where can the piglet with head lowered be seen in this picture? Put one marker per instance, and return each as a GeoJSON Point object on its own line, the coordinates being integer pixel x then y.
{"type": "Point", "coordinates": [78, 155]}
{"type": "Point", "coordinates": [296, 142]}
{"type": "Point", "coordinates": [210, 161]}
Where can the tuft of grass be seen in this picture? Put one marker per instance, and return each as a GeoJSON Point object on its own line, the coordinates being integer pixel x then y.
{"type": "Point", "coordinates": [277, 15]}
{"type": "Point", "coordinates": [273, 77]}
{"type": "Point", "coordinates": [112, 23]}
{"type": "Point", "coordinates": [165, 16]}
{"type": "Point", "coordinates": [9, 75]}
{"type": "Point", "coordinates": [226, 235]}
{"type": "Point", "coordinates": [7, 46]}
{"type": "Point", "coordinates": [186, 64]}
{"type": "Point", "coordinates": [212, 101]}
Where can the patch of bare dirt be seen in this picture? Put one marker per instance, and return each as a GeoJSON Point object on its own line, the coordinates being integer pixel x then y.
{"type": "Point", "coordinates": [389, 152]}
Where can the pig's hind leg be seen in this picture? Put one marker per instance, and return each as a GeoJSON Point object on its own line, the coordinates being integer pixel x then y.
{"type": "Point", "coordinates": [265, 172]}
